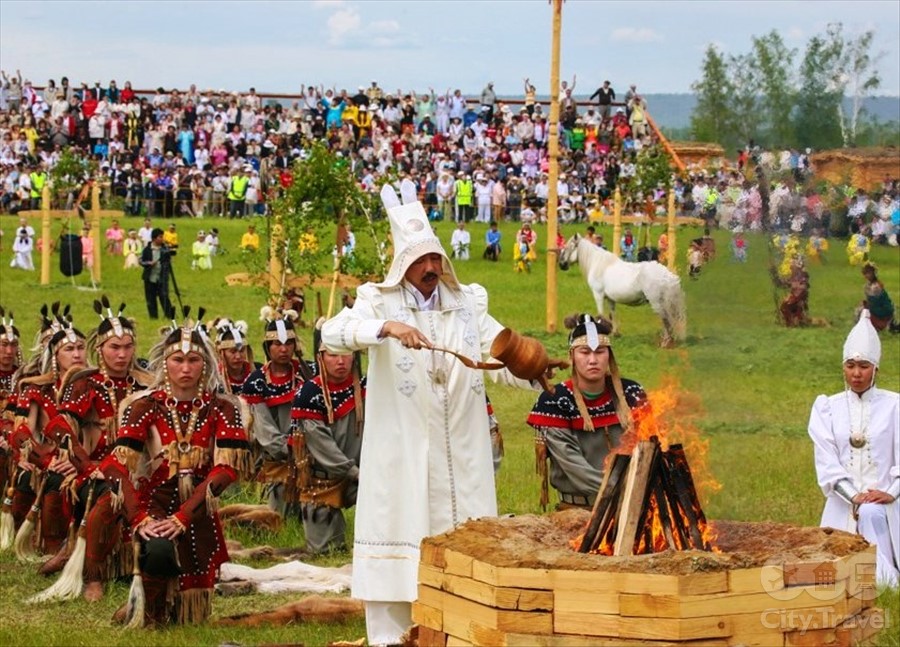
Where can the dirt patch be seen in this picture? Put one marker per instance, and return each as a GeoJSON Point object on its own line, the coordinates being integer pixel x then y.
{"type": "Point", "coordinates": [543, 542]}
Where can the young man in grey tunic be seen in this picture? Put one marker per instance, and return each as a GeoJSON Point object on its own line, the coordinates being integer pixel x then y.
{"type": "Point", "coordinates": [585, 417]}
{"type": "Point", "coordinates": [269, 391]}
{"type": "Point", "coordinates": [328, 417]}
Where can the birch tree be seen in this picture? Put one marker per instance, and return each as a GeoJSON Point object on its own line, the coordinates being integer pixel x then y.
{"type": "Point", "coordinates": [855, 76]}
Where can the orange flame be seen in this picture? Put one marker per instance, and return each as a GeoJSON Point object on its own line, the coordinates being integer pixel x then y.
{"type": "Point", "coordinates": [671, 416]}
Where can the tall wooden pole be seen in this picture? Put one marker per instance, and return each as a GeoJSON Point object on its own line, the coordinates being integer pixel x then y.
{"type": "Point", "coordinates": [276, 267]}
{"type": "Point", "coordinates": [552, 196]}
{"type": "Point", "coordinates": [617, 223]}
{"type": "Point", "coordinates": [95, 229]}
{"type": "Point", "coordinates": [45, 234]}
{"type": "Point", "coordinates": [670, 255]}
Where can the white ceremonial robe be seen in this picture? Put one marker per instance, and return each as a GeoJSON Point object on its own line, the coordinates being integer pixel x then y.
{"type": "Point", "coordinates": [426, 462]}
{"type": "Point", "coordinates": [874, 466]}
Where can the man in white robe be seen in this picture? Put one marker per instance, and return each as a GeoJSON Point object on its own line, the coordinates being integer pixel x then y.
{"type": "Point", "coordinates": [426, 463]}
{"type": "Point", "coordinates": [460, 241]}
{"type": "Point", "coordinates": [856, 434]}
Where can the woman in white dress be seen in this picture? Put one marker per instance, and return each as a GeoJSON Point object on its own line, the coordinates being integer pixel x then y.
{"type": "Point", "coordinates": [22, 248]}
{"type": "Point", "coordinates": [132, 249]}
{"type": "Point", "coordinates": [856, 434]}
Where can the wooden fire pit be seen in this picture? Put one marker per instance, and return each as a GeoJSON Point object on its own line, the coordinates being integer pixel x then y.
{"type": "Point", "coordinates": [518, 581]}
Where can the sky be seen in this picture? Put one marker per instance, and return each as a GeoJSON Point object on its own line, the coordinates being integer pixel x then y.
{"type": "Point", "coordinates": [412, 45]}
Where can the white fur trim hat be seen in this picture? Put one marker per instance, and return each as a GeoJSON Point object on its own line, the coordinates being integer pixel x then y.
{"type": "Point", "coordinates": [863, 342]}
{"type": "Point", "coordinates": [412, 234]}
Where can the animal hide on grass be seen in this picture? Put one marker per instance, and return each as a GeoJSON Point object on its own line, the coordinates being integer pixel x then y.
{"type": "Point", "coordinates": [313, 608]}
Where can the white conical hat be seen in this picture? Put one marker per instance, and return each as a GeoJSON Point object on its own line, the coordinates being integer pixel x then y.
{"type": "Point", "coordinates": [863, 342]}
{"type": "Point", "coordinates": [411, 233]}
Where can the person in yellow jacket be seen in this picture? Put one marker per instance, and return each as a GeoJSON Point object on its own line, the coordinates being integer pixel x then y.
{"type": "Point", "coordinates": [38, 179]}
{"type": "Point", "coordinates": [363, 126]}
{"type": "Point", "coordinates": [350, 116]}
{"type": "Point", "coordinates": [237, 192]}
{"type": "Point", "coordinates": [250, 240]}
{"type": "Point", "coordinates": [858, 248]}
{"type": "Point", "coordinates": [170, 237]}
{"type": "Point", "coordinates": [465, 194]}
{"type": "Point", "coordinates": [200, 253]}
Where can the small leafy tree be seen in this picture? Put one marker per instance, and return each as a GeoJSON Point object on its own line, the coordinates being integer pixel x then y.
{"type": "Point", "coordinates": [69, 174]}
{"type": "Point", "coordinates": [653, 169]}
{"type": "Point", "coordinates": [323, 200]}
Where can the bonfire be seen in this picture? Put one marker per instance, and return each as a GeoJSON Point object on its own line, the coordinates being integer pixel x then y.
{"type": "Point", "coordinates": [656, 572]}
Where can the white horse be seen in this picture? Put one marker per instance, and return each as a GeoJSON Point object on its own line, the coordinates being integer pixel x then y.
{"type": "Point", "coordinates": [614, 280]}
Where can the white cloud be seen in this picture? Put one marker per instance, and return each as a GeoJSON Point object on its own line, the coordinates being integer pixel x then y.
{"type": "Point", "coordinates": [635, 35]}
{"type": "Point", "coordinates": [385, 27]}
{"type": "Point", "coordinates": [348, 30]}
{"type": "Point", "coordinates": [342, 25]}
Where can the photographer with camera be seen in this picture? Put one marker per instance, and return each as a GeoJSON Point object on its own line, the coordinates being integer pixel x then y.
{"type": "Point", "coordinates": [156, 259]}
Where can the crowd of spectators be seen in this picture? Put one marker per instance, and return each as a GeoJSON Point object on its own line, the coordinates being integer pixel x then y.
{"type": "Point", "coordinates": [206, 153]}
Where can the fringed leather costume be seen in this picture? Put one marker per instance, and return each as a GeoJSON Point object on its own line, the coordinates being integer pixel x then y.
{"type": "Point", "coordinates": [181, 455]}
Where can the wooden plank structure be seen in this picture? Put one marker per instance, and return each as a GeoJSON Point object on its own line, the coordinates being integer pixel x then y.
{"type": "Point", "coordinates": [862, 167]}
{"type": "Point", "coordinates": [91, 217]}
{"type": "Point", "coordinates": [467, 601]}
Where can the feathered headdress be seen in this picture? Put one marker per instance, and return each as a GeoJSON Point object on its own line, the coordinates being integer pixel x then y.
{"type": "Point", "coordinates": [279, 323]}
{"type": "Point", "coordinates": [230, 334]}
{"type": "Point", "coordinates": [7, 327]}
{"type": "Point", "coordinates": [188, 328]}
{"type": "Point", "coordinates": [111, 325]}
{"type": "Point", "coordinates": [585, 332]}
{"type": "Point", "coordinates": [57, 325]}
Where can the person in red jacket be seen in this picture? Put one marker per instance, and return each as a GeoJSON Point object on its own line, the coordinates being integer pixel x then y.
{"type": "Point", "coordinates": [87, 421]}
{"type": "Point", "coordinates": [192, 437]}
{"type": "Point", "coordinates": [41, 466]}
{"type": "Point", "coordinates": [10, 361]}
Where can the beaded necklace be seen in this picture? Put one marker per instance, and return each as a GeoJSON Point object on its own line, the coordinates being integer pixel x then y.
{"type": "Point", "coordinates": [109, 386]}
{"type": "Point", "coordinates": [182, 456]}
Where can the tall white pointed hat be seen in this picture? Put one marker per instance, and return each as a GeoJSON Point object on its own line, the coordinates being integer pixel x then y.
{"type": "Point", "coordinates": [411, 233]}
{"type": "Point", "coordinates": [863, 343]}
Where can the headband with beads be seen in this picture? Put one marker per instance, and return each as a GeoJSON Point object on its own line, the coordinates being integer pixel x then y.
{"type": "Point", "coordinates": [237, 330]}
{"type": "Point", "coordinates": [280, 318]}
{"type": "Point", "coordinates": [117, 325]}
{"type": "Point", "coordinates": [7, 327]}
{"type": "Point", "coordinates": [185, 344]}
{"type": "Point", "coordinates": [591, 337]}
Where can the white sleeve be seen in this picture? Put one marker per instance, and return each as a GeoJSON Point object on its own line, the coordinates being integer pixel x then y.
{"type": "Point", "coordinates": [833, 478]}
{"type": "Point", "coordinates": [358, 327]}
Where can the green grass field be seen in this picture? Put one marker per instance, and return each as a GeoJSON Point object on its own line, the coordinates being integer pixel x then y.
{"type": "Point", "coordinates": [747, 382]}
